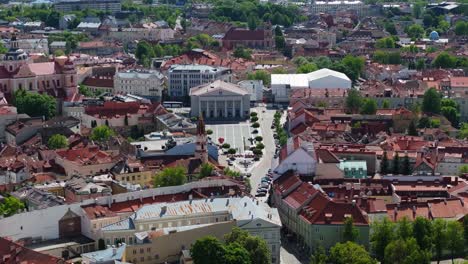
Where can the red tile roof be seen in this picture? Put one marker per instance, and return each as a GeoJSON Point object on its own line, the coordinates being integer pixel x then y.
{"type": "Point", "coordinates": [85, 156]}
{"type": "Point", "coordinates": [13, 253]}
{"type": "Point", "coordinates": [98, 211]}
{"type": "Point", "coordinates": [284, 183]}
{"type": "Point", "coordinates": [300, 195]}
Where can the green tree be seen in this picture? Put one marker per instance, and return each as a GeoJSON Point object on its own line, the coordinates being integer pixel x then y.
{"type": "Point", "coordinates": [3, 49]}
{"type": "Point", "coordinates": [451, 110]}
{"type": "Point", "coordinates": [417, 9]}
{"type": "Point", "coordinates": [10, 206]}
{"type": "Point", "coordinates": [58, 53]}
{"type": "Point", "coordinates": [382, 234]}
{"type": "Point", "coordinates": [258, 249]}
{"type": "Point", "coordinates": [415, 31]}
{"type": "Point", "coordinates": [369, 106]}
{"type": "Point", "coordinates": [455, 240]}
{"type": "Point", "coordinates": [34, 104]}
{"type": "Point", "coordinates": [465, 224]}
{"type": "Point", "coordinates": [385, 43]}
{"type": "Point", "coordinates": [319, 256]}
{"type": "Point", "coordinates": [232, 151]}
{"type": "Point", "coordinates": [405, 229]}
{"type": "Point", "coordinates": [236, 254]}
{"type": "Point", "coordinates": [206, 170]}
{"type": "Point", "coordinates": [57, 141]}
{"type": "Point", "coordinates": [422, 232]}
{"type": "Point", "coordinates": [406, 167]}
{"type": "Point", "coordinates": [396, 164]}
{"type": "Point", "coordinates": [255, 125]}
{"type": "Point", "coordinates": [262, 75]}
{"type": "Point", "coordinates": [101, 133]}
{"type": "Point", "coordinates": [144, 52]}
{"type": "Point", "coordinates": [461, 28]}
{"type": "Point", "coordinates": [390, 28]}
{"type": "Point", "coordinates": [350, 232]}
{"type": "Point", "coordinates": [350, 253]}
{"type": "Point", "coordinates": [252, 22]}
{"type": "Point", "coordinates": [405, 251]}
{"type": "Point", "coordinates": [412, 131]}
{"type": "Point", "coordinates": [420, 64]}
{"type": "Point", "coordinates": [307, 67]}
{"type": "Point", "coordinates": [258, 138]}
{"type": "Point", "coordinates": [384, 165]}
{"type": "Point", "coordinates": [439, 237]}
{"type": "Point", "coordinates": [431, 101]}
{"type": "Point", "coordinates": [208, 250]}
{"type": "Point", "coordinates": [171, 176]}
{"type": "Point", "coordinates": [463, 132]}
{"type": "Point", "coordinates": [225, 146]}
{"type": "Point", "coordinates": [463, 170]}
{"type": "Point", "coordinates": [241, 52]}
{"type": "Point", "coordinates": [445, 60]}
{"type": "Point", "coordinates": [353, 66]}
{"type": "Point", "coordinates": [353, 101]}
{"type": "Point", "coordinates": [386, 104]}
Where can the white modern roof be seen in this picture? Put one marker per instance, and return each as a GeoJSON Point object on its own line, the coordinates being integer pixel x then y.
{"type": "Point", "coordinates": [220, 86]}
{"type": "Point", "coordinates": [303, 79]}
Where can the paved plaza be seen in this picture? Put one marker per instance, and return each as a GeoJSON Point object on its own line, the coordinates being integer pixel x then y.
{"type": "Point", "coordinates": [234, 134]}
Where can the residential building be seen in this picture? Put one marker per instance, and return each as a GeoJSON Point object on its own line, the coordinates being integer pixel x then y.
{"type": "Point", "coordinates": [99, 48]}
{"type": "Point", "coordinates": [145, 83]}
{"type": "Point", "coordinates": [204, 216]}
{"type": "Point", "coordinates": [283, 84]}
{"type": "Point", "coordinates": [220, 100]}
{"type": "Point", "coordinates": [85, 161]}
{"type": "Point", "coordinates": [115, 254]}
{"type": "Point", "coordinates": [22, 130]}
{"type": "Point", "coordinates": [100, 84]}
{"type": "Point", "coordinates": [297, 155]}
{"type": "Point", "coordinates": [316, 219]}
{"type": "Point", "coordinates": [78, 189]}
{"type": "Point", "coordinates": [32, 45]}
{"type": "Point", "coordinates": [254, 88]}
{"type": "Point", "coordinates": [183, 77]}
{"type": "Point", "coordinates": [355, 169]}
{"type": "Point", "coordinates": [110, 6]}
{"type": "Point", "coordinates": [13, 252]}
{"type": "Point", "coordinates": [149, 32]}
{"type": "Point", "coordinates": [37, 199]}
{"type": "Point", "coordinates": [58, 45]}
{"type": "Point", "coordinates": [8, 115]}
{"type": "Point", "coordinates": [66, 20]}
{"type": "Point", "coordinates": [256, 39]}
{"type": "Point", "coordinates": [332, 7]}
{"type": "Point", "coordinates": [133, 172]}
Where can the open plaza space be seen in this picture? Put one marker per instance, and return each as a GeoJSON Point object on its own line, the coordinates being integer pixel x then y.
{"type": "Point", "coordinates": [236, 135]}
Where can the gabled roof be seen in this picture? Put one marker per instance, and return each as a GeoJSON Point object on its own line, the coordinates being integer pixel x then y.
{"type": "Point", "coordinates": [13, 253]}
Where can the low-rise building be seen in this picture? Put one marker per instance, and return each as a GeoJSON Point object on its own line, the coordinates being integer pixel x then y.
{"type": "Point", "coordinates": [257, 39]}
{"type": "Point", "coordinates": [220, 100]}
{"type": "Point", "coordinates": [110, 6]}
{"type": "Point", "coordinates": [79, 189]}
{"type": "Point", "coordinates": [254, 88]}
{"type": "Point", "coordinates": [133, 172]}
{"type": "Point", "coordinates": [283, 84]}
{"type": "Point", "coordinates": [298, 156]}
{"type": "Point", "coordinates": [138, 82]}
{"type": "Point", "coordinates": [215, 216]}
{"type": "Point", "coordinates": [85, 161]}
{"type": "Point", "coordinates": [149, 32]}
{"type": "Point", "coordinates": [183, 77]}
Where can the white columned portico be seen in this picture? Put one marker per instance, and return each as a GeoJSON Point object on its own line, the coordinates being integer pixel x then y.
{"type": "Point", "coordinates": [215, 107]}
{"type": "Point", "coordinates": [225, 108]}
{"type": "Point", "coordinates": [241, 108]}
{"type": "Point", "coordinates": [233, 108]}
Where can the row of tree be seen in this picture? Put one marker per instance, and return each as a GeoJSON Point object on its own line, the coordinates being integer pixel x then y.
{"type": "Point", "coordinates": [397, 167]}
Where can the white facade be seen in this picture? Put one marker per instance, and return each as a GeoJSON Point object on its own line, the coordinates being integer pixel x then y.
{"type": "Point", "coordinates": [332, 7]}
{"type": "Point", "coordinates": [255, 89]}
{"type": "Point", "coordinates": [32, 45]}
{"type": "Point", "coordinates": [126, 35]}
{"type": "Point", "coordinates": [220, 100]}
{"type": "Point", "coordinates": [184, 77]}
{"type": "Point", "coordinates": [142, 83]}
{"type": "Point", "coordinates": [300, 159]}
{"type": "Point", "coordinates": [282, 84]}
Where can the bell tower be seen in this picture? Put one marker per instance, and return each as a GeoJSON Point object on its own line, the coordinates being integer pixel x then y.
{"type": "Point", "coordinates": [69, 78]}
{"type": "Point", "coordinates": [201, 150]}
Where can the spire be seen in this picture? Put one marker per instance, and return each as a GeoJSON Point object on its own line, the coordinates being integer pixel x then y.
{"type": "Point", "coordinates": [201, 126]}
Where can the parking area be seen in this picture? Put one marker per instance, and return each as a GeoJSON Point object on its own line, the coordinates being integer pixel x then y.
{"type": "Point", "coordinates": [235, 135]}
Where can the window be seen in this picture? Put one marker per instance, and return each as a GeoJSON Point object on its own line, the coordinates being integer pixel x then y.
{"type": "Point", "coordinates": [142, 251]}
{"type": "Point", "coordinates": [148, 250]}
{"type": "Point", "coordinates": [142, 258]}
{"type": "Point", "coordinates": [156, 256]}
{"type": "Point", "coordinates": [134, 252]}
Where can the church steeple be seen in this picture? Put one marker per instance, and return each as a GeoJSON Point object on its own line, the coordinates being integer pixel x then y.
{"type": "Point", "coordinates": [201, 150]}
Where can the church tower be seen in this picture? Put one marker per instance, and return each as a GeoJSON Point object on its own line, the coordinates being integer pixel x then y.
{"type": "Point", "coordinates": [15, 57]}
{"type": "Point", "coordinates": [69, 78]}
{"type": "Point", "coordinates": [201, 150]}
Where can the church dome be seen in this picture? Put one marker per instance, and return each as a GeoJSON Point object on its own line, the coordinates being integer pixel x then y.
{"type": "Point", "coordinates": [434, 35]}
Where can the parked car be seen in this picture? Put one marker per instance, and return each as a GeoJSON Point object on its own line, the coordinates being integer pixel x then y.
{"type": "Point", "coordinates": [266, 179]}
{"type": "Point", "coordinates": [260, 194]}
{"type": "Point", "coordinates": [264, 185]}
{"type": "Point", "coordinates": [232, 158]}
{"type": "Point", "coordinates": [230, 163]}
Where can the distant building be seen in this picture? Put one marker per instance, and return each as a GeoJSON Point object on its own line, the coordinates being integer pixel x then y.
{"type": "Point", "coordinates": [255, 39]}
{"type": "Point", "coordinates": [220, 100]}
{"type": "Point", "coordinates": [65, 21]}
{"type": "Point", "coordinates": [183, 77]}
{"type": "Point", "coordinates": [356, 169]}
{"type": "Point", "coordinates": [110, 6]}
{"type": "Point", "coordinates": [282, 84]}
{"type": "Point", "coordinates": [149, 32]}
{"type": "Point", "coordinates": [255, 89]}
{"type": "Point", "coordinates": [13, 252]}
{"type": "Point", "coordinates": [85, 161]}
{"type": "Point", "coordinates": [32, 45]}
{"type": "Point", "coordinates": [142, 83]}
{"type": "Point", "coordinates": [164, 229]}
{"type": "Point", "coordinates": [332, 7]}
{"type": "Point", "coordinates": [114, 254]}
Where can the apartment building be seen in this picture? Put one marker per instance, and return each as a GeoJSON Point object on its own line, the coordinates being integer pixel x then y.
{"type": "Point", "coordinates": [111, 6]}
{"type": "Point", "coordinates": [184, 77]}
{"type": "Point", "coordinates": [157, 233]}
{"type": "Point", "coordinates": [145, 83]}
